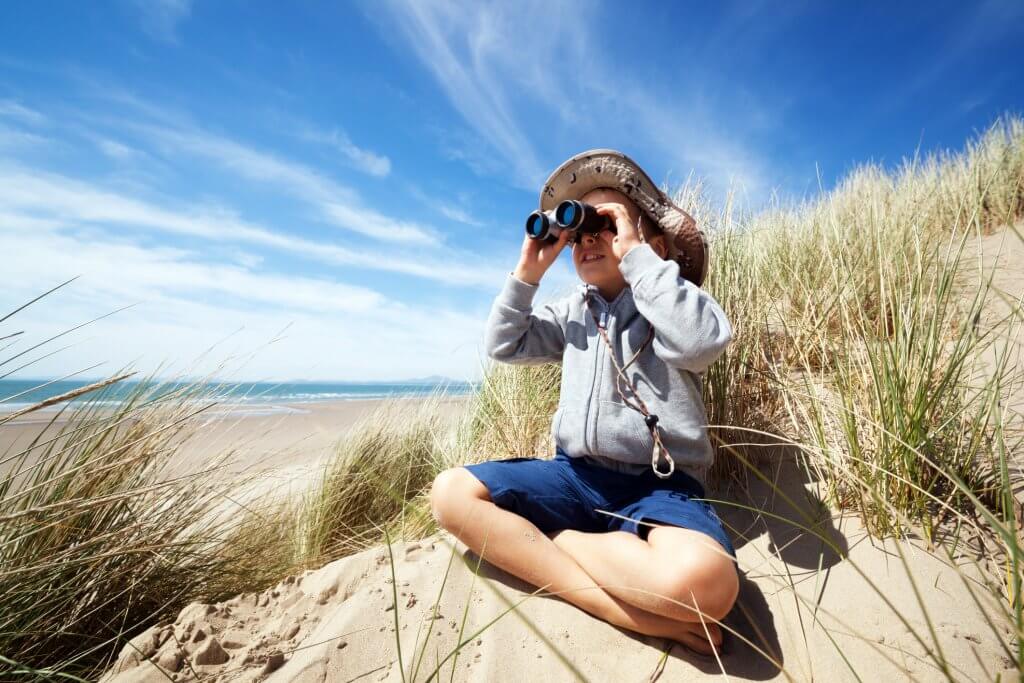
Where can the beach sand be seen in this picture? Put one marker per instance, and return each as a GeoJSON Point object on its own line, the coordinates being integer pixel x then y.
{"type": "Point", "coordinates": [1000, 256]}
{"type": "Point", "coordinates": [810, 610]}
{"type": "Point", "coordinates": [286, 444]}
{"type": "Point", "coordinates": [338, 623]}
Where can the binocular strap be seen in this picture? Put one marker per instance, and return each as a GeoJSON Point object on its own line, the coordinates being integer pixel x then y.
{"type": "Point", "coordinates": [639, 405]}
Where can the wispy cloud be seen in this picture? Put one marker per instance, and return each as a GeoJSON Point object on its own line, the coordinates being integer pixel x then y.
{"type": "Point", "coordinates": [337, 203]}
{"type": "Point", "coordinates": [13, 137]}
{"type": "Point", "coordinates": [161, 18]}
{"type": "Point", "coordinates": [687, 142]}
{"type": "Point", "coordinates": [185, 302]}
{"type": "Point", "coordinates": [518, 75]}
{"type": "Point", "coordinates": [985, 23]}
{"type": "Point", "coordinates": [451, 208]}
{"type": "Point", "coordinates": [116, 150]}
{"type": "Point", "coordinates": [452, 42]}
{"type": "Point", "coordinates": [365, 160]}
{"type": "Point", "coordinates": [120, 268]}
{"type": "Point", "coordinates": [34, 195]}
{"type": "Point", "coordinates": [14, 110]}
{"type": "Point", "coordinates": [457, 213]}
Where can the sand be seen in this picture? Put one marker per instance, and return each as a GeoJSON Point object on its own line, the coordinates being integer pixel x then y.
{"type": "Point", "coordinates": [287, 444]}
{"type": "Point", "coordinates": [1000, 256]}
{"type": "Point", "coordinates": [806, 611]}
{"type": "Point", "coordinates": [338, 623]}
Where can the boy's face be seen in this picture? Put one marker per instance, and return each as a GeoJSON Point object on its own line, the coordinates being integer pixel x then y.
{"type": "Point", "coordinates": [597, 257]}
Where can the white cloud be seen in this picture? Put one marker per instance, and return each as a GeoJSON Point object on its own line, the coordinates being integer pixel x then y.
{"type": "Point", "coordinates": [19, 112]}
{"type": "Point", "coordinates": [363, 159]}
{"type": "Point", "coordinates": [457, 213]}
{"type": "Point", "coordinates": [124, 269]}
{"type": "Point", "coordinates": [11, 138]}
{"type": "Point", "coordinates": [116, 150]}
{"type": "Point", "coordinates": [451, 41]}
{"type": "Point", "coordinates": [687, 142]}
{"type": "Point", "coordinates": [186, 303]}
{"type": "Point", "coordinates": [32, 196]}
{"type": "Point", "coordinates": [339, 204]}
{"type": "Point", "coordinates": [452, 210]}
{"type": "Point", "coordinates": [507, 67]}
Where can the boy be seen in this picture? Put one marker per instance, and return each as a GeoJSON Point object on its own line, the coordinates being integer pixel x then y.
{"type": "Point", "coordinates": [614, 523]}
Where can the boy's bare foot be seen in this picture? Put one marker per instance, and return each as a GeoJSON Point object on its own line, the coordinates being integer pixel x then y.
{"type": "Point", "coordinates": [692, 636]}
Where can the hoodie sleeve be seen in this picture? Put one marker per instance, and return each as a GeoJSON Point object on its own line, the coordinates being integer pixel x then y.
{"type": "Point", "coordinates": [515, 334]}
{"type": "Point", "coordinates": [690, 328]}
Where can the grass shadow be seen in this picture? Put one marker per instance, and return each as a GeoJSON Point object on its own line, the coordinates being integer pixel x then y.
{"type": "Point", "coordinates": [800, 527]}
{"type": "Point", "coordinates": [751, 620]}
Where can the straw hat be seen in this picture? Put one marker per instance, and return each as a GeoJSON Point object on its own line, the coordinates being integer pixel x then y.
{"type": "Point", "coordinates": [596, 168]}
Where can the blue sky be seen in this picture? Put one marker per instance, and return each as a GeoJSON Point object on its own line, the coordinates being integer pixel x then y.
{"type": "Point", "coordinates": [336, 191]}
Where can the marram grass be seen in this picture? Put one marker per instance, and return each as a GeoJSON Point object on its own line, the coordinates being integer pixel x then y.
{"type": "Point", "coordinates": [856, 342]}
{"type": "Point", "coordinates": [99, 537]}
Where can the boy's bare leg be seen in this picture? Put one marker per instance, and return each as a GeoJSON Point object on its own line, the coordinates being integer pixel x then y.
{"type": "Point", "coordinates": [685, 566]}
{"type": "Point", "coordinates": [462, 505]}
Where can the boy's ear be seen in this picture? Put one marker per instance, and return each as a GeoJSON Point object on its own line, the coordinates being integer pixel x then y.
{"type": "Point", "coordinates": [658, 244]}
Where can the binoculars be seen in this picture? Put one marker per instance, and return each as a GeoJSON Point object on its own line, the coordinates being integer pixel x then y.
{"type": "Point", "coordinates": [568, 215]}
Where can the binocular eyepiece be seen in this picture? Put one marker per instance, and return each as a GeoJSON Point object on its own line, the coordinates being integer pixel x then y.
{"type": "Point", "coordinates": [568, 215]}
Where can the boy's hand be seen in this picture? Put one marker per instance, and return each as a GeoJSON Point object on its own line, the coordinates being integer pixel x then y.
{"type": "Point", "coordinates": [628, 235]}
{"type": "Point", "coordinates": [537, 256]}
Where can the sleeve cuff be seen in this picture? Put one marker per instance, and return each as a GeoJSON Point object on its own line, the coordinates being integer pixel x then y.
{"type": "Point", "coordinates": [638, 261]}
{"type": "Point", "coordinates": [517, 294]}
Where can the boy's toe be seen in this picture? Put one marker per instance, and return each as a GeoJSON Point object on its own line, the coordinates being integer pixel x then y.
{"type": "Point", "coordinates": [693, 638]}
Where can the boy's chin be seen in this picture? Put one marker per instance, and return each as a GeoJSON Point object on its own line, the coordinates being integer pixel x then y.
{"type": "Point", "coordinates": [592, 279]}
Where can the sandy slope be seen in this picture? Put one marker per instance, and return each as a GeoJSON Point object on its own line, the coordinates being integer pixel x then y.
{"type": "Point", "coordinates": [338, 623]}
{"type": "Point", "coordinates": [286, 444]}
{"type": "Point", "coordinates": [1000, 257]}
{"type": "Point", "coordinates": [811, 608]}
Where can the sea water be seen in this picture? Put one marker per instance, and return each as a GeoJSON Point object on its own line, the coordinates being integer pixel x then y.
{"type": "Point", "coordinates": [257, 397]}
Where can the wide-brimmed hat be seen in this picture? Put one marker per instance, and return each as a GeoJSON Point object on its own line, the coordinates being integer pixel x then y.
{"type": "Point", "coordinates": [596, 168]}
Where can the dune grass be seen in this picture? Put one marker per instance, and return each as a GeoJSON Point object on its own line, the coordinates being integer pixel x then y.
{"type": "Point", "coordinates": [99, 536]}
{"type": "Point", "coordinates": [856, 350]}
{"type": "Point", "coordinates": [854, 318]}
{"type": "Point", "coordinates": [378, 475]}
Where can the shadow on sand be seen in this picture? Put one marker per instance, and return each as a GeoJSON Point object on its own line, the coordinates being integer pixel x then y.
{"type": "Point", "coordinates": [751, 617]}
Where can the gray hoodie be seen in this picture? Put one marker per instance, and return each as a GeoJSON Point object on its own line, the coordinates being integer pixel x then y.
{"type": "Point", "coordinates": [690, 332]}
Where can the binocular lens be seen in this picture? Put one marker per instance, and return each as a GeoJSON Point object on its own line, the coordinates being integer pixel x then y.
{"type": "Point", "coordinates": [567, 213]}
{"type": "Point", "coordinates": [535, 225]}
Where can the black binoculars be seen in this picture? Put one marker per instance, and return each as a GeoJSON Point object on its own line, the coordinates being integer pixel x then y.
{"type": "Point", "coordinates": [568, 215]}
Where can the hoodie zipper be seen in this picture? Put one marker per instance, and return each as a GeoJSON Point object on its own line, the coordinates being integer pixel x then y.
{"type": "Point", "coordinates": [594, 406]}
{"type": "Point", "coordinates": [593, 414]}
{"type": "Point", "coordinates": [587, 447]}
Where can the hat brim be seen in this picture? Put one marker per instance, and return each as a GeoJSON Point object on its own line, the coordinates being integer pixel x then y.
{"type": "Point", "coordinates": [596, 168]}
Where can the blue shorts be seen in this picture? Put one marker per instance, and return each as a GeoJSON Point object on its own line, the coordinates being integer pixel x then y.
{"type": "Point", "coordinates": [567, 493]}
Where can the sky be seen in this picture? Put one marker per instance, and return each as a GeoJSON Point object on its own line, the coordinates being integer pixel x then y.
{"type": "Point", "coordinates": [336, 191]}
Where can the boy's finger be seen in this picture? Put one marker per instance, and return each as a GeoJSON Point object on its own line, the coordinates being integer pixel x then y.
{"type": "Point", "coordinates": [558, 246]}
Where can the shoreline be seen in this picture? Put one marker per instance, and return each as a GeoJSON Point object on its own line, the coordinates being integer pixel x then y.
{"type": "Point", "coordinates": [245, 409]}
{"type": "Point", "coordinates": [291, 442]}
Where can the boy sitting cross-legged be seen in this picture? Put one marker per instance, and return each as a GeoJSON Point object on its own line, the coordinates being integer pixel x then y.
{"type": "Point", "coordinates": [614, 523]}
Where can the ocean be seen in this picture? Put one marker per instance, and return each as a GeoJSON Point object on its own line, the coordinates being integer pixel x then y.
{"type": "Point", "coordinates": [250, 396]}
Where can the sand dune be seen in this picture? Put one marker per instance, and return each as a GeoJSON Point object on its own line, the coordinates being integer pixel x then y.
{"type": "Point", "coordinates": [338, 623]}
{"type": "Point", "coordinates": [1000, 256]}
{"type": "Point", "coordinates": [807, 610]}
